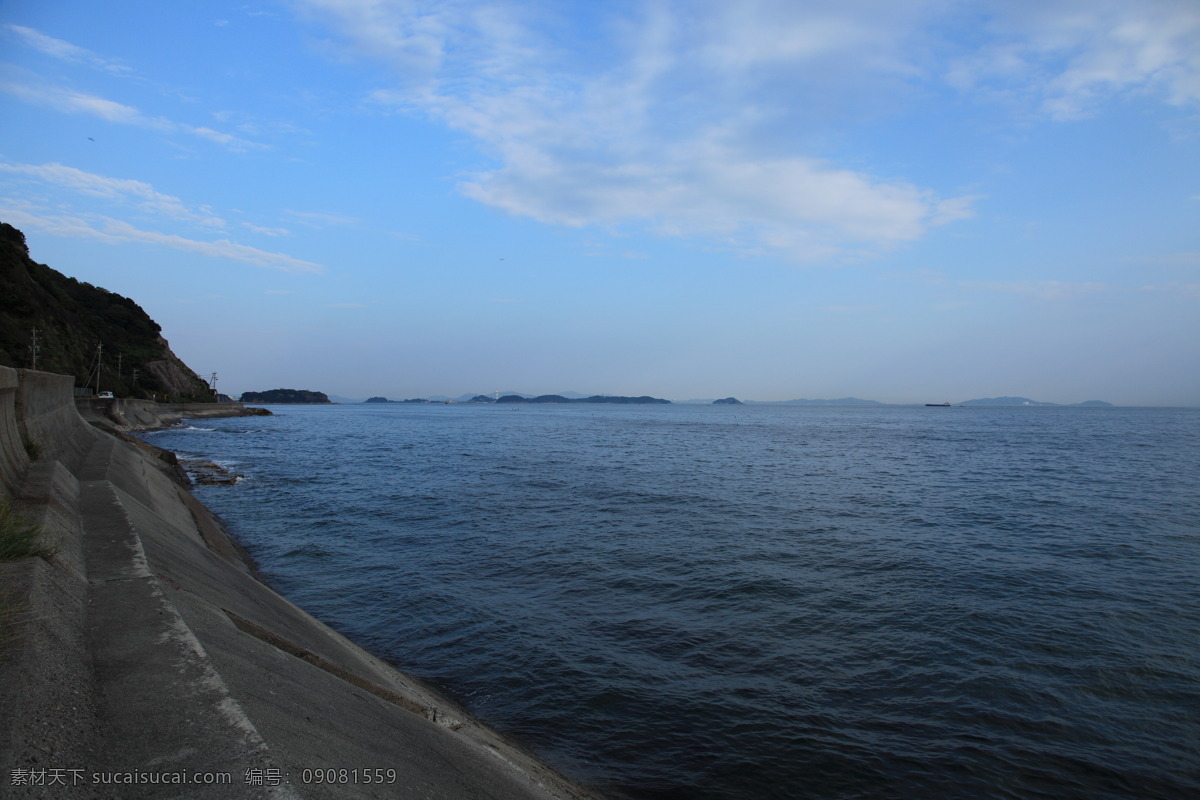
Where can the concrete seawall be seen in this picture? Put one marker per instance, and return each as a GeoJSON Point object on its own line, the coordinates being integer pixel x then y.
{"type": "Point", "coordinates": [128, 414]}
{"type": "Point", "coordinates": [145, 659]}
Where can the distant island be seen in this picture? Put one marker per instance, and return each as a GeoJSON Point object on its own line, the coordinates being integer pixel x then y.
{"type": "Point", "coordinates": [596, 398]}
{"type": "Point", "coordinates": [285, 396]}
{"type": "Point", "coordinates": [575, 397]}
{"type": "Point", "coordinates": [522, 398]}
{"type": "Point", "coordinates": [1025, 401]}
{"type": "Point", "coordinates": [841, 401]}
{"type": "Point", "coordinates": [413, 400]}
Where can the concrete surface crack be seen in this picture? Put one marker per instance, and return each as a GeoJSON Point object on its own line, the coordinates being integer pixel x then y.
{"type": "Point", "coordinates": [383, 693]}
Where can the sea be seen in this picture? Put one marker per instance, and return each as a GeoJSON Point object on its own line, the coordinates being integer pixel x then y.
{"type": "Point", "coordinates": [693, 602]}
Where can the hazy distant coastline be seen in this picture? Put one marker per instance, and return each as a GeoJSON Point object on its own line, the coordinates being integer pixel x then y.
{"type": "Point", "coordinates": [576, 397]}
{"type": "Point", "coordinates": [523, 398]}
{"type": "Point", "coordinates": [987, 401]}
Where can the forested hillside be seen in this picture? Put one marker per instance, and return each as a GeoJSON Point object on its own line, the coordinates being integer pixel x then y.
{"type": "Point", "coordinates": [285, 396]}
{"type": "Point", "coordinates": [77, 322]}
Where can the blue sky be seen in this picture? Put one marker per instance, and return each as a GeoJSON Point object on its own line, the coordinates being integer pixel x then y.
{"type": "Point", "coordinates": [904, 201]}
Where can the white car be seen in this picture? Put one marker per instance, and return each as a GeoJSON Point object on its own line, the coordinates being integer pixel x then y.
{"type": "Point", "coordinates": [105, 395]}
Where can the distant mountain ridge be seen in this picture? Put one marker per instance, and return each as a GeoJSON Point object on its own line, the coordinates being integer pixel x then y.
{"type": "Point", "coordinates": [1025, 401]}
{"type": "Point", "coordinates": [517, 397]}
{"type": "Point", "coordinates": [576, 397]}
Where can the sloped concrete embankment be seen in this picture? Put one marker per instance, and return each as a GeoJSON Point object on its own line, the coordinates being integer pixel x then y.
{"type": "Point", "coordinates": [129, 414]}
{"type": "Point", "coordinates": [147, 651]}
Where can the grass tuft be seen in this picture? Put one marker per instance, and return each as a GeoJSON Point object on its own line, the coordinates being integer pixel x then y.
{"type": "Point", "coordinates": [19, 538]}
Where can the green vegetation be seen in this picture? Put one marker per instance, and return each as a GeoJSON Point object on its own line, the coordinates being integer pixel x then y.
{"type": "Point", "coordinates": [72, 318]}
{"type": "Point", "coordinates": [19, 538]}
{"type": "Point", "coordinates": [285, 396]}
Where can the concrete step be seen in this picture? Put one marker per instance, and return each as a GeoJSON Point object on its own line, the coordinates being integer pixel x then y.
{"type": "Point", "coordinates": [164, 712]}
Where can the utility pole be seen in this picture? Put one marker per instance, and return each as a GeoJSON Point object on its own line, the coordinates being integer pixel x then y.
{"type": "Point", "coordinates": [213, 386]}
{"type": "Point", "coordinates": [34, 348]}
{"type": "Point", "coordinates": [99, 364]}
{"type": "Point", "coordinates": [120, 358]}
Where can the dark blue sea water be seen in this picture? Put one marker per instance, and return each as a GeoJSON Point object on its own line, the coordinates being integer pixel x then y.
{"type": "Point", "coordinates": [760, 602]}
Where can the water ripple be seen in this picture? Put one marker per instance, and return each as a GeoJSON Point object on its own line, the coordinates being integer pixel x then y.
{"type": "Point", "coordinates": [736, 602]}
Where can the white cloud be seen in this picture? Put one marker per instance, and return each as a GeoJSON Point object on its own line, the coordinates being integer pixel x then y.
{"type": "Point", "coordinates": [72, 102]}
{"type": "Point", "coordinates": [1072, 56]}
{"type": "Point", "coordinates": [693, 118]}
{"type": "Point", "coordinates": [796, 204]}
{"type": "Point", "coordinates": [65, 51]}
{"type": "Point", "coordinates": [106, 229]}
{"type": "Point", "coordinates": [95, 185]}
{"type": "Point", "coordinates": [69, 101]}
{"type": "Point", "coordinates": [665, 128]}
{"type": "Point", "coordinates": [266, 231]}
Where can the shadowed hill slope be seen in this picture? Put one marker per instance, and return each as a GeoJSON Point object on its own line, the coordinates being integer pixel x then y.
{"type": "Point", "coordinates": [72, 319]}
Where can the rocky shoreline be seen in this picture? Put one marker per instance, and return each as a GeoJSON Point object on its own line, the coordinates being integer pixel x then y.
{"type": "Point", "coordinates": [208, 473]}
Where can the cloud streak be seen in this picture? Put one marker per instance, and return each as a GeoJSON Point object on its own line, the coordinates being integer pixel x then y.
{"type": "Point", "coordinates": [321, 219]}
{"type": "Point", "coordinates": [68, 101]}
{"type": "Point", "coordinates": [147, 199]}
{"type": "Point", "coordinates": [114, 231]}
{"type": "Point", "coordinates": [65, 51]}
{"type": "Point", "coordinates": [89, 183]}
